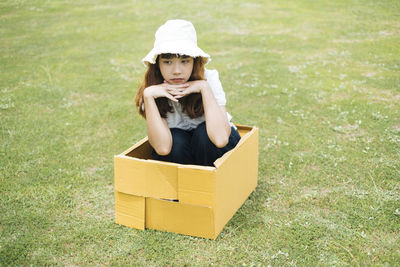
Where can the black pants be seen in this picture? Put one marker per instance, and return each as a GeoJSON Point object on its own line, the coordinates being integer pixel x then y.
{"type": "Point", "coordinates": [195, 147]}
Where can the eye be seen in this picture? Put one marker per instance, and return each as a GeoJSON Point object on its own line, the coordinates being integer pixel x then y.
{"type": "Point", "coordinates": [167, 62]}
{"type": "Point", "coordinates": [185, 61]}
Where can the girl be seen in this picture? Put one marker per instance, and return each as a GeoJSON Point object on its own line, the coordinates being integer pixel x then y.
{"type": "Point", "coordinates": [184, 103]}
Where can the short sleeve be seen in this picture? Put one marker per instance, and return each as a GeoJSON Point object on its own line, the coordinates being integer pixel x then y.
{"type": "Point", "coordinates": [212, 78]}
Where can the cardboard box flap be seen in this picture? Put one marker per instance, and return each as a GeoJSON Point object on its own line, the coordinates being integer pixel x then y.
{"type": "Point", "coordinates": [180, 218]}
{"type": "Point", "coordinates": [196, 185]}
{"type": "Point", "coordinates": [140, 150]}
{"type": "Point", "coordinates": [245, 132]}
{"type": "Point", "coordinates": [146, 178]}
{"type": "Point", "coordinates": [243, 129]}
{"type": "Point", "coordinates": [129, 210]}
{"type": "Point", "coordinates": [236, 178]}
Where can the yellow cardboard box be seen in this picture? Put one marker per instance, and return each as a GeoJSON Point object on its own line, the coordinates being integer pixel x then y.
{"type": "Point", "coordinates": [207, 197]}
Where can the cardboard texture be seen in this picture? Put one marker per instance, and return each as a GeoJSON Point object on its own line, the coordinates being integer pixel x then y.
{"type": "Point", "coordinates": [186, 199]}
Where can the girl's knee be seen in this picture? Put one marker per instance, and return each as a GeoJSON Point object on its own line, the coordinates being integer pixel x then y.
{"type": "Point", "coordinates": [180, 150]}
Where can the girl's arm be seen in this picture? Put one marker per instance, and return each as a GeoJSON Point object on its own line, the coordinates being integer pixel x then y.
{"type": "Point", "coordinates": [159, 135]}
{"type": "Point", "coordinates": [218, 127]}
{"type": "Point", "coordinates": [217, 124]}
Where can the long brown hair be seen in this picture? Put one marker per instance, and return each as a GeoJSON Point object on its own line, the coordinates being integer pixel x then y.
{"type": "Point", "coordinates": [191, 104]}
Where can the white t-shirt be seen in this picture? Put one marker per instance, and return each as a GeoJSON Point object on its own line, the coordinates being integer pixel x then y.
{"type": "Point", "coordinates": [178, 119]}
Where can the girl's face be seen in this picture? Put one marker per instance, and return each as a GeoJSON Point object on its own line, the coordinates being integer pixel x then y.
{"type": "Point", "coordinates": [175, 69]}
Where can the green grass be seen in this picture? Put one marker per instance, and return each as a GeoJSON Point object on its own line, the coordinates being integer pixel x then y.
{"type": "Point", "coordinates": [321, 79]}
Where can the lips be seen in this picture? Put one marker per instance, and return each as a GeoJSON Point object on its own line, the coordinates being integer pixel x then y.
{"type": "Point", "coordinates": [177, 80]}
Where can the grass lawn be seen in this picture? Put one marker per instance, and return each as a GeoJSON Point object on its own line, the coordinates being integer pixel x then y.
{"type": "Point", "coordinates": [321, 80]}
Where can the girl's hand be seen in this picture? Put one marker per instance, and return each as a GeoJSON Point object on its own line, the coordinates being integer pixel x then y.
{"type": "Point", "coordinates": [181, 90]}
{"type": "Point", "coordinates": [159, 90]}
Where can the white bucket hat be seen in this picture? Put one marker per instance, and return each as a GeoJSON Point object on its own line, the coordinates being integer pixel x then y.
{"type": "Point", "coordinates": [175, 37]}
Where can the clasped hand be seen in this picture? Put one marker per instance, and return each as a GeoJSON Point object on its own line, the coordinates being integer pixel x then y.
{"type": "Point", "coordinates": [175, 91]}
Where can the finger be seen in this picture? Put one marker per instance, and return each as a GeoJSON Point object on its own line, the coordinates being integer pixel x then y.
{"type": "Point", "coordinates": [184, 85]}
{"type": "Point", "coordinates": [171, 97]}
{"type": "Point", "coordinates": [176, 90]}
{"type": "Point", "coordinates": [176, 93]}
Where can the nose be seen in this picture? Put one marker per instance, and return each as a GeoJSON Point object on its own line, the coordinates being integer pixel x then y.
{"type": "Point", "coordinates": [176, 69]}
